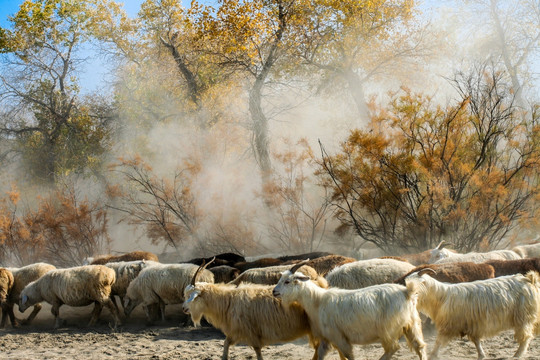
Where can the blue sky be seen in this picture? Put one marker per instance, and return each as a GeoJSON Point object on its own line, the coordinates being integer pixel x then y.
{"type": "Point", "coordinates": [96, 71]}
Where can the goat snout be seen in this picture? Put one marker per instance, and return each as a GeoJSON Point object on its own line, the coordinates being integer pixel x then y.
{"type": "Point", "coordinates": [185, 309]}
{"type": "Point", "coordinates": [275, 293]}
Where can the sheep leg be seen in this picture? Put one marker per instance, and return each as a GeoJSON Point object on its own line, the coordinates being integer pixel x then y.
{"type": "Point", "coordinates": [32, 315]}
{"type": "Point", "coordinates": [95, 313]}
{"type": "Point", "coordinates": [162, 309]}
{"type": "Point", "coordinates": [226, 344]}
{"type": "Point", "coordinates": [55, 310]}
{"type": "Point", "coordinates": [344, 348]}
{"type": "Point", "coordinates": [523, 347]}
{"type": "Point", "coordinates": [7, 310]}
{"type": "Point", "coordinates": [523, 336]}
{"type": "Point", "coordinates": [258, 352]}
{"type": "Point", "coordinates": [315, 344]}
{"type": "Point", "coordinates": [4, 316]}
{"type": "Point", "coordinates": [415, 338]}
{"type": "Point", "coordinates": [440, 342]}
{"type": "Point", "coordinates": [113, 299]}
{"type": "Point", "coordinates": [149, 317]}
{"type": "Point", "coordinates": [322, 350]}
{"type": "Point", "coordinates": [390, 348]}
{"type": "Point", "coordinates": [479, 349]}
{"type": "Point", "coordinates": [114, 311]}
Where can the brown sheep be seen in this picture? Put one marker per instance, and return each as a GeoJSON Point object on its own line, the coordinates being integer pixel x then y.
{"type": "Point", "coordinates": [130, 256]}
{"type": "Point", "coordinates": [307, 256]}
{"type": "Point", "coordinates": [511, 267]}
{"type": "Point", "coordinates": [224, 273]}
{"type": "Point", "coordinates": [325, 264]}
{"type": "Point", "coordinates": [260, 263]}
{"type": "Point", "coordinates": [220, 259]}
{"type": "Point", "coordinates": [454, 272]}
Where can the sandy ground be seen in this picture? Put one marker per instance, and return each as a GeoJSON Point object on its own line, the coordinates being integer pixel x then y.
{"type": "Point", "coordinates": [171, 340]}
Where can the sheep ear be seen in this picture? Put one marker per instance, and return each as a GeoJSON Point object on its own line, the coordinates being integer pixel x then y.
{"type": "Point", "coordinates": [24, 299]}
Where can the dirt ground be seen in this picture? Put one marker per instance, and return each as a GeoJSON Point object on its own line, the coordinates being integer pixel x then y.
{"type": "Point", "coordinates": [171, 340]}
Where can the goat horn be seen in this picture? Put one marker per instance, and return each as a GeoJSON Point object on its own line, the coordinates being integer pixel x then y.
{"type": "Point", "coordinates": [202, 267]}
{"type": "Point", "coordinates": [426, 270]}
{"type": "Point", "coordinates": [298, 266]}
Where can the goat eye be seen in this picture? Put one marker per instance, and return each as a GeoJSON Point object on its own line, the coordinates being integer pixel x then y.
{"type": "Point", "coordinates": [287, 281]}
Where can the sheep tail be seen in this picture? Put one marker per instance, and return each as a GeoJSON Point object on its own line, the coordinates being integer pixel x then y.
{"type": "Point", "coordinates": [534, 278]}
{"type": "Point", "coordinates": [413, 288]}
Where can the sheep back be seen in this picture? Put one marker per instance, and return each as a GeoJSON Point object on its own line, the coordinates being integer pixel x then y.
{"type": "Point", "coordinates": [164, 282]}
{"type": "Point", "coordinates": [130, 256]}
{"type": "Point", "coordinates": [365, 273]}
{"type": "Point", "coordinates": [323, 265]}
{"type": "Point", "coordinates": [510, 267]}
{"type": "Point", "coordinates": [480, 257]}
{"type": "Point", "coordinates": [126, 272]}
{"type": "Point", "coordinates": [77, 286]}
{"type": "Point", "coordinates": [454, 272]}
{"type": "Point", "coordinates": [528, 251]}
{"type": "Point", "coordinates": [25, 275]}
{"type": "Point", "coordinates": [270, 275]}
{"type": "Point", "coordinates": [224, 273]}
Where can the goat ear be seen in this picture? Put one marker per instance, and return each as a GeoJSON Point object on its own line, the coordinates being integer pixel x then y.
{"type": "Point", "coordinates": [302, 277]}
{"type": "Point", "coordinates": [192, 296]}
{"type": "Point", "coordinates": [24, 299]}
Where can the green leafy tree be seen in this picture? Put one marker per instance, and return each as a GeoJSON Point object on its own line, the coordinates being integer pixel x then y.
{"type": "Point", "coordinates": [56, 130]}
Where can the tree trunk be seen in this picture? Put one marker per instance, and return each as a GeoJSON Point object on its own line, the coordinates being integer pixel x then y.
{"type": "Point", "coordinates": [260, 129]}
{"type": "Point", "coordinates": [356, 89]}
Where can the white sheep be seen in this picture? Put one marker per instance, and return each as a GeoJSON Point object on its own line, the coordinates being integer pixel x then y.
{"type": "Point", "coordinates": [342, 318]}
{"type": "Point", "coordinates": [161, 284]}
{"type": "Point", "coordinates": [23, 276]}
{"type": "Point", "coordinates": [77, 286]}
{"type": "Point", "coordinates": [248, 313]}
{"type": "Point", "coordinates": [364, 273]}
{"type": "Point", "coordinates": [126, 271]}
{"type": "Point", "coordinates": [481, 309]}
{"type": "Point", "coordinates": [441, 256]}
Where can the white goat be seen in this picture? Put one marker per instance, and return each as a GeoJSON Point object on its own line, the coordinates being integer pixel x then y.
{"type": "Point", "coordinates": [364, 273]}
{"type": "Point", "coordinates": [481, 309]}
{"type": "Point", "coordinates": [344, 317]}
{"type": "Point", "coordinates": [440, 255]}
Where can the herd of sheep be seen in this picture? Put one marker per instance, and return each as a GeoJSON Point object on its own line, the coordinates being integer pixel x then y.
{"type": "Point", "coordinates": [336, 301]}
